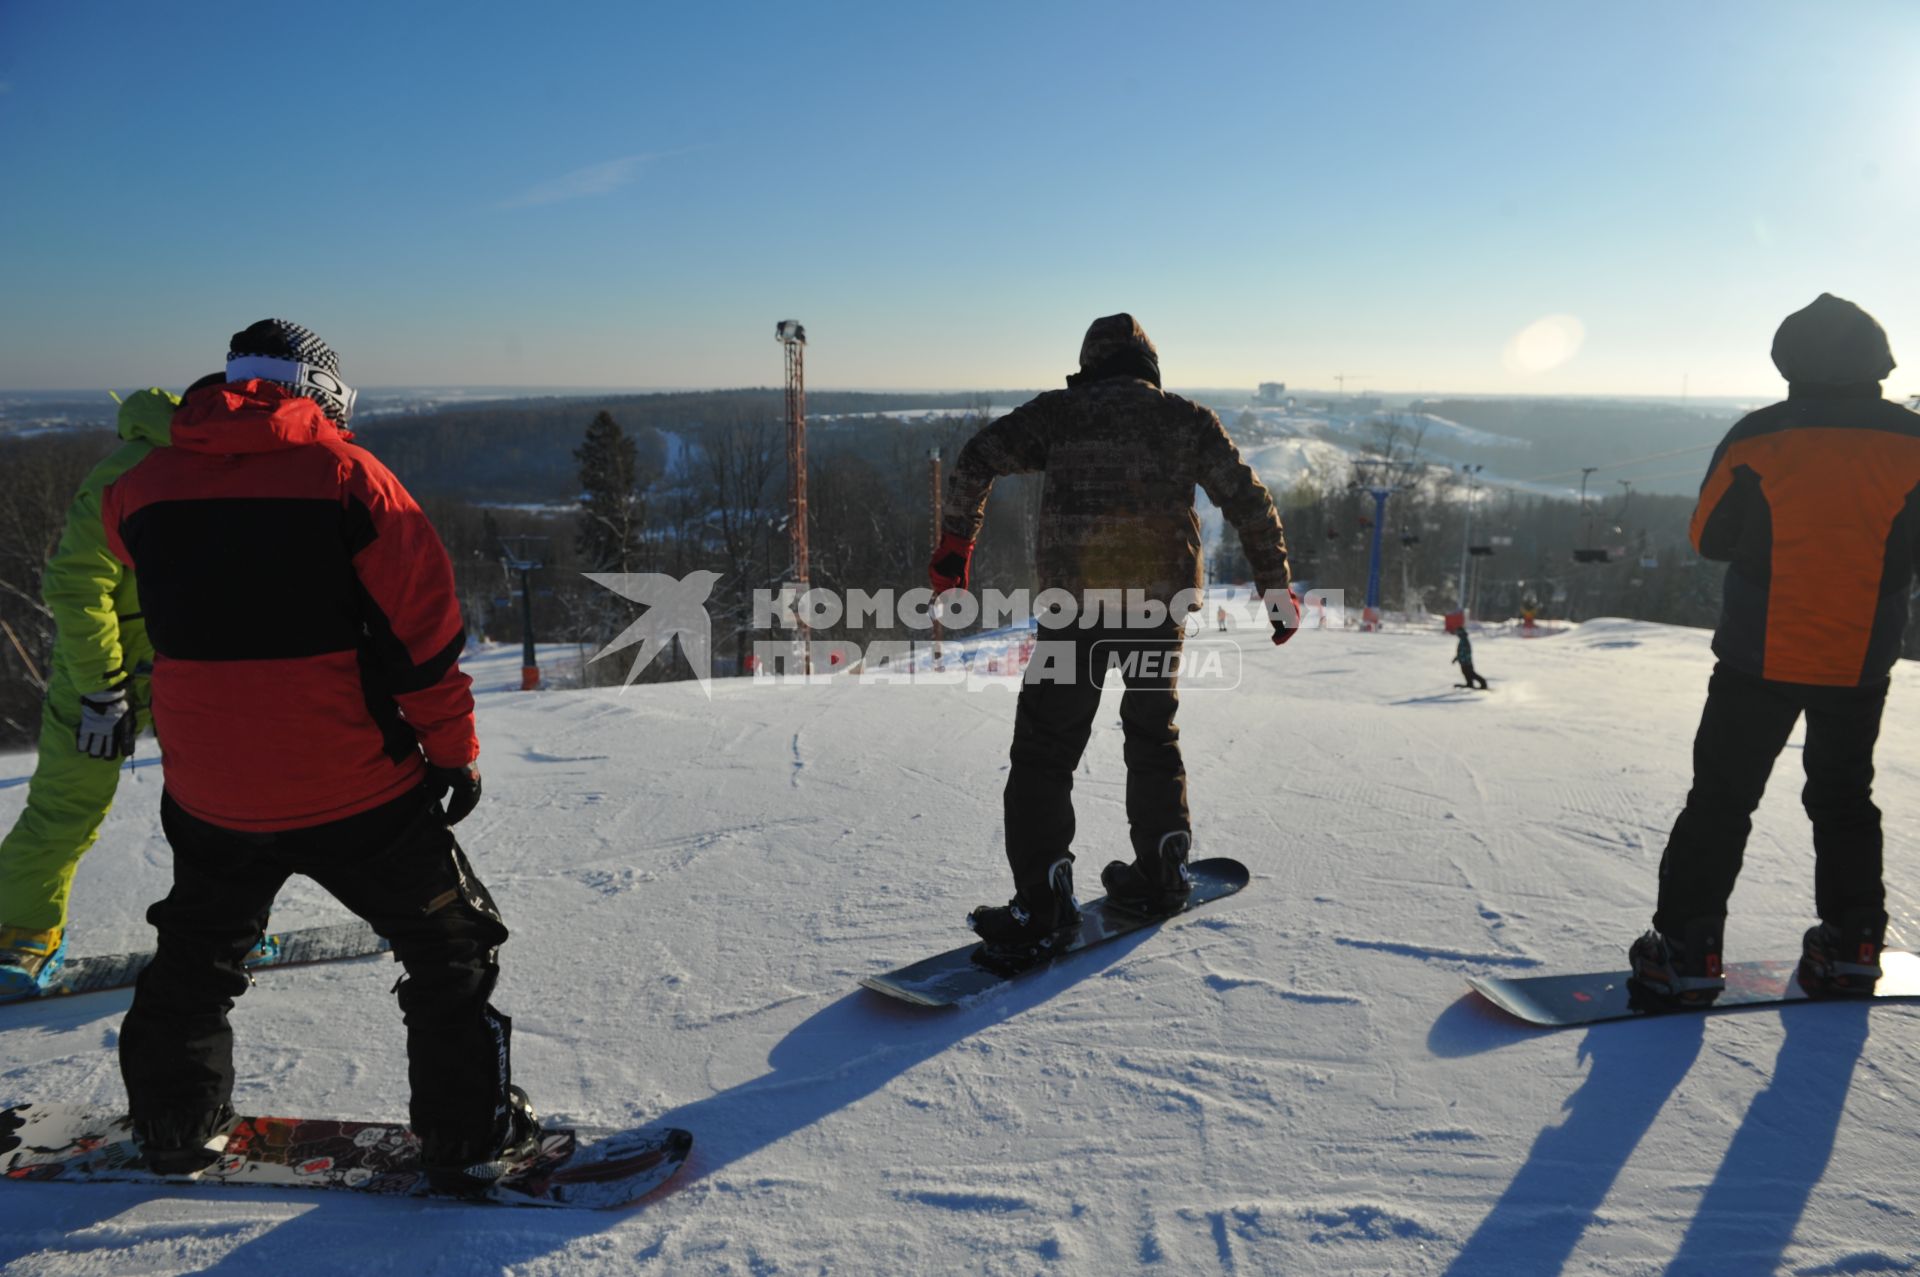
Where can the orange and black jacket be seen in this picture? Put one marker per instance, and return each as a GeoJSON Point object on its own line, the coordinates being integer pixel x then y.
{"type": "Point", "coordinates": [1814, 503]}
{"type": "Point", "coordinates": [302, 612]}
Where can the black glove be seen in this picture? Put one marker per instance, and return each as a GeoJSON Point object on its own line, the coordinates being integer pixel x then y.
{"type": "Point", "coordinates": [460, 786]}
{"type": "Point", "coordinates": [107, 724]}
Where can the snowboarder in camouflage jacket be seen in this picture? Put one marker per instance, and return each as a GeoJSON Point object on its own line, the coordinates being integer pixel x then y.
{"type": "Point", "coordinates": [1120, 459]}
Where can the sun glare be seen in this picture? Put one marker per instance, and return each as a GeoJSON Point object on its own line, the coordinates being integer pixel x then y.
{"type": "Point", "coordinates": [1544, 345]}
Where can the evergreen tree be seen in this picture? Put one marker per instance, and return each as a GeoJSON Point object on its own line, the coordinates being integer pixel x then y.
{"type": "Point", "coordinates": [612, 504]}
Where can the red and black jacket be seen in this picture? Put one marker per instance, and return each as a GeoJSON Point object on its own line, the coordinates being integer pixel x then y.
{"type": "Point", "coordinates": [302, 610]}
{"type": "Point", "coordinates": [1815, 505]}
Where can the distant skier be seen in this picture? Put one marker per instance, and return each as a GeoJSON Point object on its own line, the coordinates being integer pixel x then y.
{"type": "Point", "coordinates": [1463, 657]}
{"type": "Point", "coordinates": [1814, 497]}
{"type": "Point", "coordinates": [1121, 458]}
{"type": "Point", "coordinates": [96, 706]}
{"type": "Point", "coordinates": [1220, 615]}
{"type": "Point", "coordinates": [308, 689]}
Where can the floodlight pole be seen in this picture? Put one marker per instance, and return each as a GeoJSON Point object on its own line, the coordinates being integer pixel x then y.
{"type": "Point", "coordinates": [790, 333]}
{"type": "Point", "coordinates": [933, 490]}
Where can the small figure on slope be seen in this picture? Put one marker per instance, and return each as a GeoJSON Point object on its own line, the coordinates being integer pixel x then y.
{"type": "Point", "coordinates": [1120, 458]}
{"type": "Point", "coordinates": [1814, 497]}
{"type": "Point", "coordinates": [309, 692]}
{"type": "Point", "coordinates": [1463, 657]}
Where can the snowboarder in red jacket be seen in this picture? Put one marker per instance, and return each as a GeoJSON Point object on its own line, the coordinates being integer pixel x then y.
{"type": "Point", "coordinates": [307, 684]}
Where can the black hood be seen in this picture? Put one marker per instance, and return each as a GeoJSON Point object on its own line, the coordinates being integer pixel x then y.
{"type": "Point", "coordinates": [1832, 343]}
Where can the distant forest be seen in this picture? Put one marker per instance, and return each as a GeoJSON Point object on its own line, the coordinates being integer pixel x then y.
{"type": "Point", "coordinates": [522, 450]}
{"type": "Point", "coordinates": [675, 482]}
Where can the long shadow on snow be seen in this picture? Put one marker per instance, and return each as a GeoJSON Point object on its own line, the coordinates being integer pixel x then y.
{"type": "Point", "coordinates": [1635, 1068]}
{"type": "Point", "coordinates": [1440, 698]}
{"type": "Point", "coordinates": [1749, 1212]}
{"type": "Point", "coordinates": [838, 1056]}
{"type": "Point", "coordinates": [852, 1048]}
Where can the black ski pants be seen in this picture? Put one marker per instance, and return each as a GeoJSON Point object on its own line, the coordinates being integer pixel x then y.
{"type": "Point", "coordinates": [398, 867]}
{"type": "Point", "coordinates": [1470, 678]}
{"type": "Point", "coordinates": [1742, 731]}
{"type": "Point", "coordinates": [1051, 726]}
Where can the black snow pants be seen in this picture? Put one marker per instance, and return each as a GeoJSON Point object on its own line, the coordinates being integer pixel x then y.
{"type": "Point", "coordinates": [1051, 726]}
{"type": "Point", "coordinates": [1469, 678]}
{"type": "Point", "coordinates": [1742, 731]}
{"type": "Point", "coordinates": [398, 867]}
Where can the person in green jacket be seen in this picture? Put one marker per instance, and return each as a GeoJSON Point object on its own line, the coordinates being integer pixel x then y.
{"type": "Point", "coordinates": [96, 705]}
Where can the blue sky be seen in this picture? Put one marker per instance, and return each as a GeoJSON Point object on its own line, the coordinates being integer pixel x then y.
{"type": "Point", "coordinates": [631, 194]}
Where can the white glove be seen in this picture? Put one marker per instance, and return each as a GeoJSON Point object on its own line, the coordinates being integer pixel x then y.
{"type": "Point", "coordinates": [106, 724]}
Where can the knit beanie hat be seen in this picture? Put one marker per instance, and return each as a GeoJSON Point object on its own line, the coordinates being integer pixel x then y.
{"type": "Point", "coordinates": [288, 355]}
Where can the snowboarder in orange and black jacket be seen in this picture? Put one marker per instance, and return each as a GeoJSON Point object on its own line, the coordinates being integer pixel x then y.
{"type": "Point", "coordinates": [1814, 504]}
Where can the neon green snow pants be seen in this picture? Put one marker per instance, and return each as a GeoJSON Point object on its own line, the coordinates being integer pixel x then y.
{"type": "Point", "coordinates": [68, 797]}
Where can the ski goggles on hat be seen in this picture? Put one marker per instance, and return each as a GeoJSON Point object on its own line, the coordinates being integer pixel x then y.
{"type": "Point", "coordinates": [301, 376]}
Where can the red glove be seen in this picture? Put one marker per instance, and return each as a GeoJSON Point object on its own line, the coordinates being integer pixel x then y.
{"type": "Point", "coordinates": [1285, 617]}
{"type": "Point", "coordinates": [952, 565]}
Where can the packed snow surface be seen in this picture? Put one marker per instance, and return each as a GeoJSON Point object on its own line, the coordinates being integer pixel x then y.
{"type": "Point", "coordinates": [1293, 1080]}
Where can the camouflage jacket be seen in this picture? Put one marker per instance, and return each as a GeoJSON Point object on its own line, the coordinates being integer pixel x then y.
{"type": "Point", "coordinates": [1121, 458]}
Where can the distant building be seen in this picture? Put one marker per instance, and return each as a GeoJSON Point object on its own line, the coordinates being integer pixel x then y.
{"type": "Point", "coordinates": [1273, 392]}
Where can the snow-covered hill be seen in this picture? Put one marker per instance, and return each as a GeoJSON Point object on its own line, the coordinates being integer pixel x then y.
{"type": "Point", "coordinates": [1292, 1081]}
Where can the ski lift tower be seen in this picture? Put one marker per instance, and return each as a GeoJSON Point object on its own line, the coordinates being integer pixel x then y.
{"type": "Point", "coordinates": [1466, 543]}
{"type": "Point", "coordinates": [521, 555]}
{"type": "Point", "coordinates": [789, 333]}
{"type": "Point", "coordinates": [1380, 479]}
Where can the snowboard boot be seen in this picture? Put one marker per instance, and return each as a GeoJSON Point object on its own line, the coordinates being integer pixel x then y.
{"type": "Point", "coordinates": [1843, 960]}
{"type": "Point", "coordinates": [1679, 971]}
{"type": "Point", "coordinates": [179, 1142]}
{"type": "Point", "coordinates": [468, 1168]}
{"type": "Point", "coordinates": [1039, 919]}
{"type": "Point", "coordinates": [29, 960]}
{"type": "Point", "coordinates": [1158, 882]}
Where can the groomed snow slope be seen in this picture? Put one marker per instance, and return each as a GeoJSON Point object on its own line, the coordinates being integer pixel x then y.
{"type": "Point", "coordinates": [1292, 1081]}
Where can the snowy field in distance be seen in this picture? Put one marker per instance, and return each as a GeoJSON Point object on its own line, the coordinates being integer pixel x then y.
{"type": "Point", "coordinates": [1293, 1081]}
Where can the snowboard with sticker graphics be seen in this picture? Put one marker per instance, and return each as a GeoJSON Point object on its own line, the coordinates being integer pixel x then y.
{"type": "Point", "coordinates": [959, 974]}
{"type": "Point", "coordinates": [299, 947]}
{"type": "Point", "coordinates": [1561, 1001]}
{"type": "Point", "coordinates": [68, 1143]}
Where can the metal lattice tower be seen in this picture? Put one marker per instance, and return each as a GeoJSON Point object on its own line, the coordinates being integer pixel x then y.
{"type": "Point", "coordinates": [790, 333]}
